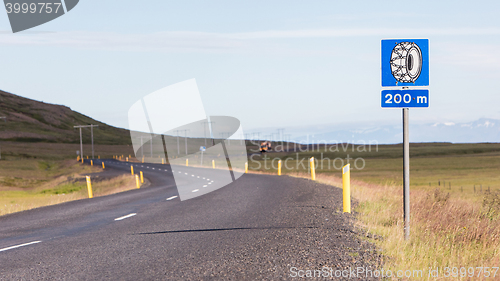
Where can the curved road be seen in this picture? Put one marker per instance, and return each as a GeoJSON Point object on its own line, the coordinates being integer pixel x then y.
{"type": "Point", "coordinates": [258, 227]}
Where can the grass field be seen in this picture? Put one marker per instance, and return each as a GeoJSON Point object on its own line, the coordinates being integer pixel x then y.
{"type": "Point", "coordinates": [29, 183]}
{"type": "Point", "coordinates": [451, 167]}
{"type": "Point", "coordinates": [453, 224]}
{"type": "Point", "coordinates": [58, 151]}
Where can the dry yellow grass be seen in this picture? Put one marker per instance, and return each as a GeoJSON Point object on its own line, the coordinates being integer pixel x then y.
{"type": "Point", "coordinates": [27, 184]}
{"type": "Point", "coordinates": [445, 231]}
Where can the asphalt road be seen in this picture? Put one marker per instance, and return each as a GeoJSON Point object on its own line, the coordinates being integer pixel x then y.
{"type": "Point", "coordinates": [260, 227]}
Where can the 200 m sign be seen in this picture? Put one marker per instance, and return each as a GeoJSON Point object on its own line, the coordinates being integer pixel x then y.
{"type": "Point", "coordinates": [405, 98]}
{"type": "Point", "coordinates": [25, 14]}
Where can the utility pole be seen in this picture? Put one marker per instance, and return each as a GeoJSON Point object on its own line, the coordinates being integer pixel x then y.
{"type": "Point", "coordinates": [92, 135]}
{"type": "Point", "coordinates": [142, 149]}
{"type": "Point", "coordinates": [5, 120]}
{"type": "Point", "coordinates": [223, 135]}
{"type": "Point", "coordinates": [205, 130]}
{"type": "Point", "coordinates": [258, 135]}
{"type": "Point", "coordinates": [178, 150]}
{"type": "Point", "coordinates": [287, 138]}
{"type": "Point", "coordinates": [280, 133]}
{"type": "Point", "coordinates": [151, 146]}
{"type": "Point", "coordinates": [185, 140]}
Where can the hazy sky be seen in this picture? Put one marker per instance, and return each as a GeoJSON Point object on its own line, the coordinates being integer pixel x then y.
{"type": "Point", "coordinates": [268, 63]}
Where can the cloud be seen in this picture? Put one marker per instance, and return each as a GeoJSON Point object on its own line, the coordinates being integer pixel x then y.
{"type": "Point", "coordinates": [362, 32]}
{"type": "Point", "coordinates": [193, 41]}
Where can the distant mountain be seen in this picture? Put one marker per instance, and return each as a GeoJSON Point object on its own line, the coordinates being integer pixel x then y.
{"type": "Point", "coordinates": [33, 121]}
{"type": "Point", "coordinates": [482, 130]}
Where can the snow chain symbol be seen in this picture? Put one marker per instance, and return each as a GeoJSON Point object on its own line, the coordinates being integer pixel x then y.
{"type": "Point", "coordinates": [406, 62]}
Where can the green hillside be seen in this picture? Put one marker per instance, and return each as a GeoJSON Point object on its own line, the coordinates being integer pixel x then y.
{"type": "Point", "coordinates": [33, 121]}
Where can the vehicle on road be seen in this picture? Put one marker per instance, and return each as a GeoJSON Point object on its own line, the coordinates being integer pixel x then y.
{"type": "Point", "coordinates": [265, 146]}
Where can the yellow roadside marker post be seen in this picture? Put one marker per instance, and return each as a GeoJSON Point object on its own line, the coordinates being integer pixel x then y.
{"type": "Point", "coordinates": [187, 162]}
{"type": "Point", "coordinates": [131, 169]}
{"type": "Point", "coordinates": [143, 159]}
{"type": "Point", "coordinates": [78, 158]}
{"type": "Point", "coordinates": [279, 168]}
{"type": "Point", "coordinates": [246, 167]}
{"type": "Point", "coordinates": [103, 165]}
{"type": "Point", "coordinates": [98, 156]}
{"type": "Point", "coordinates": [87, 157]}
{"type": "Point", "coordinates": [213, 164]}
{"type": "Point", "coordinates": [142, 178]}
{"type": "Point", "coordinates": [89, 187]}
{"type": "Point", "coordinates": [91, 163]}
{"type": "Point", "coordinates": [126, 159]}
{"type": "Point", "coordinates": [82, 160]}
{"type": "Point", "coordinates": [313, 168]}
{"type": "Point", "coordinates": [137, 183]}
{"type": "Point", "coordinates": [163, 161]}
{"type": "Point", "coordinates": [346, 187]}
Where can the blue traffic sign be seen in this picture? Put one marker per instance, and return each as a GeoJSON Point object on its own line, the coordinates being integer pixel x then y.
{"type": "Point", "coordinates": [405, 62]}
{"type": "Point", "coordinates": [405, 98]}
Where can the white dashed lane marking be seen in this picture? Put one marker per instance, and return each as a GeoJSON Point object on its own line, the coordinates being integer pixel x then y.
{"type": "Point", "coordinates": [124, 217]}
{"type": "Point", "coordinates": [196, 190]}
{"type": "Point", "coordinates": [20, 245]}
{"type": "Point", "coordinates": [173, 197]}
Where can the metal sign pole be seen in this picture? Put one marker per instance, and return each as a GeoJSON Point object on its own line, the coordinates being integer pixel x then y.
{"type": "Point", "coordinates": [406, 171]}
